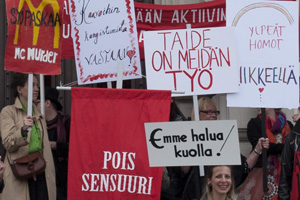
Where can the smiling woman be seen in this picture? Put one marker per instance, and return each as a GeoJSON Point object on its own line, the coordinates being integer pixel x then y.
{"type": "Point", "coordinates": [219, 183]}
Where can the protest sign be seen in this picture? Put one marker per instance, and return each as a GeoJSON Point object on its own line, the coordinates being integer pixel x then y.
{"type": "Point", "coordinates": [267, 45]}
{"type": "Point", "coordinates": [108, 156]}
{"type": "Point", "coordinates": [163, 17]}
{"type": "Point", "coordinates": [33, 42]}
{"type": "Point", "coordinates": [151, 17]}
{"type": "Point", "coordinates": [67, 42]}
{"type": "Point", "coordinates": [193, 61]}
{"type": "Point", "coordinates": [104, 34]}
{"type": "Point", "coordinates": [154, 17]}
{"type": "Point", "coordinates": [193, 143]}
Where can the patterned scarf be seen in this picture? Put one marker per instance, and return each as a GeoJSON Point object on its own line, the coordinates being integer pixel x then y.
{"type": "Point", "coordinates": [276, 132]}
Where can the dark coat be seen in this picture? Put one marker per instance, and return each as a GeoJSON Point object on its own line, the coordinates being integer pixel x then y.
{"type": "Point", "coordinates": [292, 143]}
{"type": "Point", "coordinates": [60, 155]}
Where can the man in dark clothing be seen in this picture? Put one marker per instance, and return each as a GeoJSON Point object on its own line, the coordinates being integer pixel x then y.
{"type": "Point", "coordinates": [58, 127]}
{"type": "Point", "coordinates": [292, 145]}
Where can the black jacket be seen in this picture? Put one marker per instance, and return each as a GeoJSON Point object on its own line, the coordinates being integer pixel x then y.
{"type": "Point", "coordinates": [60, 155]}
{"type": "Point", "coordinates": [292, 143]}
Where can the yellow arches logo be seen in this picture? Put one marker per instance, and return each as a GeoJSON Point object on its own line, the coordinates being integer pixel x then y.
{"type": "Point", "coordinates": [36, 27]}
{"type": "Point", "coordinates": [263, 5]}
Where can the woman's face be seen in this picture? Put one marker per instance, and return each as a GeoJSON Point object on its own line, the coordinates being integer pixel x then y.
{"type": "Point", "coordinates": [221, 180]}
{"type": "Point", "coordinates": [208, 113]}
{"type": "Point", "coordinates": [23, 91]}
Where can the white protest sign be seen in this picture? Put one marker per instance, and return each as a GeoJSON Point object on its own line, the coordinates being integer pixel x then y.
{"type": "Point", "coordinates": [268, 53]}
{"type": "Point", "coordinates": [213, 142]}
{"type": "Point", "coordinates": [104, 34]}
{"type": "Point", "coordinates": [193, 61]}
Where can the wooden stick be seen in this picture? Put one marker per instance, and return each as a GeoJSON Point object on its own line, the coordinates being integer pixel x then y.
{"type": "Point", "coordinates": [264, 152]}
{"type": "Point", "coordinates": [42, 94]}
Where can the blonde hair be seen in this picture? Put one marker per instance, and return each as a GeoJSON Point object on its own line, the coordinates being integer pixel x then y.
{"type": "Point", "coordinates": [208, 188]}
{"type": "Point", "coordinates": [203, 103]}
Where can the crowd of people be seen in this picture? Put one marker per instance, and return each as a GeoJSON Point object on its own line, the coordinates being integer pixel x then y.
{"type": "Point", "coordinates": [220, 182]}
{"type": "Point", "coordinates": [48, 134]}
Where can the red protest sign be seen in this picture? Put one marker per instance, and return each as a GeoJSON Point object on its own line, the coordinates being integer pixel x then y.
{"type": "Point", "coordinates": [108, 156]}
{"type": "Point", "coordinates": [67, 42]}
{"type": "Point", "coordinates": [34, 32]}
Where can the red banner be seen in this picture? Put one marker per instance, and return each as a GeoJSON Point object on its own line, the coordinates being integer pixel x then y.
{"type": "Point", "coordinates": [296, 177]}
{"type": "Point", "coordinates": [67, 42]}
{"type": "Point", "coordinates": [108, 156]}
{"type": "Point", "coordinates": [34, 32]}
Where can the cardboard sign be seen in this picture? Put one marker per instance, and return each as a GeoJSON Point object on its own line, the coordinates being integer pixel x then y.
{"type": "Point", "coordinates": [34, 42]}
{"type": "Point", "coordinates": [193, 143]}
{"type": "Point", "coordinates": [193, 61]}
{"type": "Point", "coordinates": [104, 35]}
{"type": "Point", "coordinates": [267, 46]}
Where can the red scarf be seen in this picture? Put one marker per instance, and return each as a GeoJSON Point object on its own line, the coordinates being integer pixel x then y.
{"type": "Point", "coordinates": [273, 127]}
{"type": "Point", "coordinates": [284, 128]}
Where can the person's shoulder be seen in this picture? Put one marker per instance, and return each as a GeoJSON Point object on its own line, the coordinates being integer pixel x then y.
{"type": "Point", "coordinates": [66, 117]}
{"type": "Point", "coordinates": [8, 109]}
{"type": "Point", "coordinates": [255, 120]}
{"type": "Point", "coordinates": [290, 124]}
{"type": "Point", "coordinates": [292, 135]}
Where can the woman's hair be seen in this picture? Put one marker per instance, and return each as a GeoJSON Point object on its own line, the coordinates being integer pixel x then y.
{"type": "Point", "coordinates": [203, 103]}
{"type": "Point", "coordinates": [208, 188]}
{"type": "Point", "coordinates": [18, 79]}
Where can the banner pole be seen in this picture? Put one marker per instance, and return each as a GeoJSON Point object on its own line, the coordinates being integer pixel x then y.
{"type": "Point", "coordinates": [42, 94]}
{"type": "Point", "coordinates": [109, 84]}
{"type": "Point", "coordinates": [264, 152]}
{"type": "Point", "coordinates": [29, 94]}
{"type": "Point", "coordinates": [120, 75]}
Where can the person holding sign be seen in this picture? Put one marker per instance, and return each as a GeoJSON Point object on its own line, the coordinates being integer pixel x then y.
{"type": "Point", "coordinates": [289, 182]}
{"type": "Point", "coordinates": [277, 129]}
{"type": "Point", "coordinates": [208, 111]}
{"type": "Point", "coordinates": [219, 183]}
{"type": "Point", "coordinates": [23, 135]}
